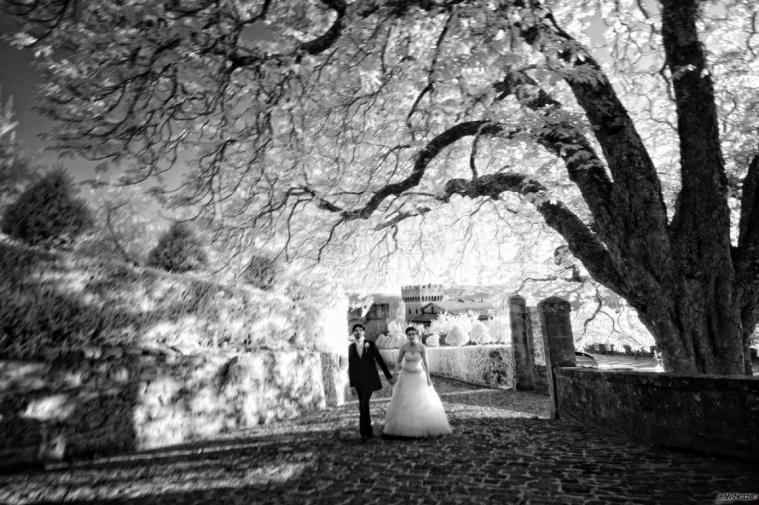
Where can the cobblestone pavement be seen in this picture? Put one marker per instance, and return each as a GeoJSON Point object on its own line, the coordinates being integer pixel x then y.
{"type": "Point", "coordinates": [503, 450]}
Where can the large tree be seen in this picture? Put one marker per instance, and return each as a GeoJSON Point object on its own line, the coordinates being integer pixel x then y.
{"type": "Point", "coordinates": [308, 120]}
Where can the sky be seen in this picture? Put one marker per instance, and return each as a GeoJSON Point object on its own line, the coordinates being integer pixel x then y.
{"type": "Point", "coordinates": [19, 78]}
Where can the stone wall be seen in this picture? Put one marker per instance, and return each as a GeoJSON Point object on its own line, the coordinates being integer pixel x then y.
{"type": "Point", "coordinates": [120, 399]}
{"type": "Point", "coordinates": [486, 365]}
{"type": "Point", "coordinates": [712, 414]}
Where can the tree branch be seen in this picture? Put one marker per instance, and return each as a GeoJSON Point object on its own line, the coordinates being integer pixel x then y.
{"type": "Point", "coordinates": [582, 242]}
{"type": "Point", "coordinates": [636, 189]}
{"type": "Point", "coordinates": [702, 214]}
{"type": "Point", "coordinates": [329, 37]}
{"type": "Point", "coordinates": [114, 236]}
{"type": "Point", "coordinates": [584, 167]}
{"type": "Point", "coordinates": [422, 160]}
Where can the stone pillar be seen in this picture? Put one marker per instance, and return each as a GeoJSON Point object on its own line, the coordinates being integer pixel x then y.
{"type": "Point", "coordinates": [535, 332]}
{"type": "Point", "coordinates": [521, 345]}
{"type": "Point", "coordinates": [558, 342]}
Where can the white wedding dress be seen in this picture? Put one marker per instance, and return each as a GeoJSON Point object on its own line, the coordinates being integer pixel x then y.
{"type": "Point", "coordinates": [415, 409]}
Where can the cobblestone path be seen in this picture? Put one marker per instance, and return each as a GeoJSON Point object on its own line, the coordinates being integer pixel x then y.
{"type": "Point", "coordinates": [503, 451]}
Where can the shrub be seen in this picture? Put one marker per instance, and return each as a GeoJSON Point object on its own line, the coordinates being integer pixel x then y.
{"type": "Point", "coordinates": [443, 323]}
{"type": "Point", "coordinates": [432, 340]}
{"type": "Point", "coordinates": [457, 336]}
{"type": "Point", "coordinates": [396, 336]}
{"type": "Point", "coordinates": [48, 211]}
{"type": "Point", "coordinates": [179, 250]}
{"type": "Point", "coordinates": [500, 329]}
{"type": "Point", "coordinates": [124, 222]}
{"type": "Point", "coordinates": [261, 272]}
{"type": "Point", "coordinates": [381, 341]}
{"type": "Point", "coordinates": [480, 334]}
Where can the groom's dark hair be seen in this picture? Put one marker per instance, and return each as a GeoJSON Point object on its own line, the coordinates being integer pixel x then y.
{"type": "Point", "coordinates": [411, 328]}
{"type": "Point", "coordinates": [358, 325]}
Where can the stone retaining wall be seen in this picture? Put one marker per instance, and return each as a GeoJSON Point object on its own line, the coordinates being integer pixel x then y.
{"type": "Point", "coordinates": [712, 414]}
{"type": "Point", "coordinates": [131, 399]}
{"type": "Point", "coordinates": [485, 365]}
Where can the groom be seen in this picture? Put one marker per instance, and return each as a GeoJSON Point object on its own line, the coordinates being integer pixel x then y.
{"type": "Point", "coordinates": [364, 377]}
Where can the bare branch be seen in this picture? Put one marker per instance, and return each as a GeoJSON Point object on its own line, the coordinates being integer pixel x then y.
{"type": "Point", "coordinates": [402, 215]}
{"type": "Point", "coordinates": [422, 160]}
{"type": "Point", "coordinates": [429, 88]}
{"type": "Point", "coordinates": [582, 242]}
{"type": "Point", "coordinates": [326, 40]}
{"type": "Point", "coordinates": [114, 236]}
{"type": "Point", "coordinates": [596, 311]}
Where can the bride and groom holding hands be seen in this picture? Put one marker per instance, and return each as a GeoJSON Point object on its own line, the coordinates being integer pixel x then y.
{"type": "Point", "coordinates": [415, 409]}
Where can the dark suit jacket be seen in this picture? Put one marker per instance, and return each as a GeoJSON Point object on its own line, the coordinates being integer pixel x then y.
{"type": "Point", "coordinates": [362, 371]}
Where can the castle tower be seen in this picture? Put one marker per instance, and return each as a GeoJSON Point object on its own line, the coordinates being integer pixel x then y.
{"type": "Point", "coordinates": [416, 297]}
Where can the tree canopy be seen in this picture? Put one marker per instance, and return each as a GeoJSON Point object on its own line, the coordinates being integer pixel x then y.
{"type": "Point", "coordinates": [303, 122]}
{"type": "Point", "coordinates": [48, 211]}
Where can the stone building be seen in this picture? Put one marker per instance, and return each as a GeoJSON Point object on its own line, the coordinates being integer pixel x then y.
{"type": "Point", "coordinates": [417, 297]}
{"type": "Point", "coordinates": [418, 304]}
{"type": "Point", "coordinates": [375, 312]}
{"type": "Point", "coordinates": [430, 312]}
{"type": "Point", "coordinates": [425, 302]}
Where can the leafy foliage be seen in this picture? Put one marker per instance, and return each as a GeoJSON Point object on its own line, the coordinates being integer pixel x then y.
{"type": "Point", "coordinates": [383, 119]}
{"type": "Point", "coordinates": [500, 329]}
{"type": "Point", "coordinates": [479, 334]}
{"type": "Point", "coordinates": [53, 302]}
{"type": "Point", "coordinates": [261, 272]}
{"type": "Point", "coordinates": [124, 222]}
{"type": "Point", "coordinates": [457, 336]}
{"type": "Point", "coordinates": [180, 249]}
{"type": "Point", "coordinates": [432, 340]}
{"type": "Point", "coordinates": [396, 336]}
{"type": "Point", "coordinates": [444, 323]}
{"type": "Point", "coordinates": [48, 210]}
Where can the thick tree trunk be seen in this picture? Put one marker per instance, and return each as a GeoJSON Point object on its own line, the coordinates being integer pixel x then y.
{"type": "Point", "coordinates": [697, 331]}
{"type": "Point", "coordinates": [749, 320]}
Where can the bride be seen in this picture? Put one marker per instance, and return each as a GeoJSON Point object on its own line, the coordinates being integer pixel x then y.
{"type": "Point", "coordinates": [415, 409]}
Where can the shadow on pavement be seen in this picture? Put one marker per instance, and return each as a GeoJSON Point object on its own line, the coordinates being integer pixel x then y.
{"type": "Point", "coordinates": [499, 452]}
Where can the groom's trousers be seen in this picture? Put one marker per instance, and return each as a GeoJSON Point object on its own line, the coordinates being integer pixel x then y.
{"type": "Point", "coordinates": [364, 416]}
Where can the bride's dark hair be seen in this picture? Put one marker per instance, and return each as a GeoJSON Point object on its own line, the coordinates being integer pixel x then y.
{"type": "Point", "coordinates": [411, 328]}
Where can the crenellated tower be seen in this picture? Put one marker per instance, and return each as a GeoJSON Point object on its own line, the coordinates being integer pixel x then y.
{"type": "Point", "coordinates": [416, 297]}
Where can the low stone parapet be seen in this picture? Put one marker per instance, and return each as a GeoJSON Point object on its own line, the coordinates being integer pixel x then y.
{"type": "Point", "coordinates": [132, 399]}
{"type": "Point", "coordinates": [711, 414]}
{"type": "Point", "coordinates": [485, 365]}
